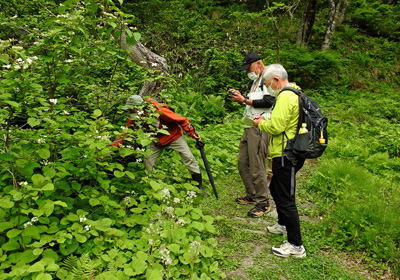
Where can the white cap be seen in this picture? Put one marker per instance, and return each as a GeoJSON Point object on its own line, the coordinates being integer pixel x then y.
{"type": "Point", "coordinates": [133, 100]}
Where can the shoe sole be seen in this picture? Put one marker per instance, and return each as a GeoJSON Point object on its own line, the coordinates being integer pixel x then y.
{"type": "Point", "coordinates": [290, 255]}
{"type": "Point", "coordinates": [276, 232]}
{"type": "Point", "coordinates": [258, 216]}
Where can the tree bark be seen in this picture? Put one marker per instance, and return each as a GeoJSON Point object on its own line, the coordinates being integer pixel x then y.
{"type": "Point", "coordinates": [147, 59]}
{"type": "Point", "coordinates": [307, 22]}
{"type": "Point", "coordinates": [335, 15]}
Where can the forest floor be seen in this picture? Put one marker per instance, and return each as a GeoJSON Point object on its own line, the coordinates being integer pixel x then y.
{"type": "Point", "coordinates": [246, 244]}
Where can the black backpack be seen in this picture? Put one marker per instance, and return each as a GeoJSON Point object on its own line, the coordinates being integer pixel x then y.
{"type": "Point", "coordinates": [313, 143]}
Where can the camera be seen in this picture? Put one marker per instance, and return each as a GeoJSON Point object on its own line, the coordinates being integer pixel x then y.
{"type": "Point", "coordinates": [231, 92]}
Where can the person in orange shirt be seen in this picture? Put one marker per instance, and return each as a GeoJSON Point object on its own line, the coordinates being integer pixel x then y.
{"type": "Point", "coordinates": [174, 124]}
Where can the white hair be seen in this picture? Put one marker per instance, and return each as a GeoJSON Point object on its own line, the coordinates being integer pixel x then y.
{"type": "Point", "coordinates": [274, 70]}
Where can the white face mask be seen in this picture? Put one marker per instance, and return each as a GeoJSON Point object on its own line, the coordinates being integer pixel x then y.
{"type": "Point", "coordinates": [272, 92]}
{"type": "Point", "coordinates": [253, 76]}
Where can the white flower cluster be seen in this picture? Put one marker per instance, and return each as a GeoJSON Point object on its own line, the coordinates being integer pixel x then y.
{"type": "Point", "coordinates": [41, 141]}
{"type": "Point", "coordinates": [191, 195]}
{"type": "Point", "coordinates": [127, 200]}
{"type": "Point", "coordinates": [165, 194]}
{"type": "Point", "coordinates": [87, 227]}
{"type": "Point", "coordinates": [23, 184]}
{"type": "Point", "coordinates": [82, 218]}
{"type": "Point", "coordinates": [164, 254]}
{"type": "Point", "coordinates": [176, 200]}
{"type": "Point", "coordinates": [20, 63]}
{"type": "Point", "coordinates": [170, 211]}
{"type": "Point", "coordinates": [180, 222]}
{"type": "Point", "coordinates": [45, 162]}
{"type": "Point", "coordinates": [195, 247]}
{"type": "Point", "coordinates": [53, 101]}
{"type": "Point", "coordinates": [33, 220]}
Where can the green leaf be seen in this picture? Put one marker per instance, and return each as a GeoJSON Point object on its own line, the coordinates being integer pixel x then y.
{"type": "Point", "coordinates": [48, 207]}
{"type": "Point", "coordinates": [153, 274]}
{"type": "Point", "coordinates": [6, 203]}
{"type": "Point", "coordinates": [155, 185]}
{"type": "Point", "coordinates": [5, 225]}
{"type": "Point", "coordinates": [174, 248]}
{"type": "Point", "coordinates": [94, 201]}
{"type": "Point", "coordinates": [14, 232]}
{"type": "Point", "coordinates": [69, 247]}
{"type": "Point", "coordinates": [10, 246]}
{"type": "Point", "coordinates": [44, 153]}
{"type": "Point", "coordinates": [7, 157]}
{"type": "Point", "coordinates": [197, 225]}
{"type": "Point", "coordinates": [33, 122]}
{"type": "Point", "coordinates": [36, 267]}
{"type": "Point", "coordinates": [37, 252]}
{"type": "Point", "coordinates": [119, 174]}
{"type": "Point", "coordinates": [12, 103]}
{"type": "Point", "coordinates": [130, 174]}
{"type": "Point", "coordinates": [62, 79]}
{"type": "Point", "coordinates": [47, 187]}
{"type": "Point", "coordinates": [36, 87]}
{"type": "Point", "coordinates": [49, 171]}
{"type": "Point", "coordinates": [137, 36]}
{"type": "Point", "coordinates": [139, 265]}
{"type": "Point", "coordinates": [96, 113]}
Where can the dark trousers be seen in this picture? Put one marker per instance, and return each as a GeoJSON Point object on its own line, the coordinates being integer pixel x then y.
{"type": "Point", "coordinates": [285, 202]}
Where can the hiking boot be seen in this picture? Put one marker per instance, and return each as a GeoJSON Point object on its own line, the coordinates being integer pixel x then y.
{"type": "Point", "coordinates": [276, 229]}
{"type": "Point", "coordinates": [288, 250]}
{"type": "Point", "coordinates": [258, 211]}
{"type": "Point", "coordinates": [245, 200]}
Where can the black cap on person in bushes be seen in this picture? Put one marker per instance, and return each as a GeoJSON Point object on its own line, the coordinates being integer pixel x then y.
{"type": "Point", "coordinates": [249, 59]}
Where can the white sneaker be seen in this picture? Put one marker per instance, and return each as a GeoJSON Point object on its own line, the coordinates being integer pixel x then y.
{"type": "Point", "coordinates": [277, 229]}
{"type": "Point", "coordinates": [287, 250]}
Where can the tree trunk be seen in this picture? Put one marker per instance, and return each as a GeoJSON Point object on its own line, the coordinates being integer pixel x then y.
{"type": "Point", "coordinates": [307, 22]}
{"type": "Point", "coordinates": [335, 15]}
{"type": "Point", "coordinates": [147, 59]}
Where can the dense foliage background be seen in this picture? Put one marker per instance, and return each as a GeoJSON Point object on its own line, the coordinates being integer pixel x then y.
{"type": "Point", "coordinates": [71, 207]}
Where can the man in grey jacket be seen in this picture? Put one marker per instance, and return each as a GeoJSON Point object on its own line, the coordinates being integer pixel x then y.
{"type": "Point", "coordinates": [253, 147]}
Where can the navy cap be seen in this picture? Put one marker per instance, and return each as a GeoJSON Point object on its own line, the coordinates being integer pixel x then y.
{"type": "Point", "coordinates": [249, 59]}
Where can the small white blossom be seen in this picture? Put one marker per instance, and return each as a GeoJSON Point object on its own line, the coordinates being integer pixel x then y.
{"type": "Point", "coordinates": [154, 64]}
{"type": "Point", "coordinates": [20, 59]}
{"type": "Point", "coordinates": [82, 218]}
{"type": "Point", "coordinates": [7, 66]}
{"type": "Point", "coordinates": [176, 200]}
{"type": "Point", "coordinates": [66, 112]}
{"type": "Point", "coordinates": [180, 222]}
{"type": "Point", "coordinates": [29, 60]}
{"type": "Point", "coordinates": [195, 247]}
{"type": "Point", "coordinates": [68, 60]}
{"type": "Point", "coordinates": [87, 227]}
{"type": "Point", "coordinates": [15, 16]}
{"type": "Point", "coordinates": [41, 141]}
{"type": "Point", "coordinates": [27, 224]}
{"type": "Point", "coordinates": [164, 254]}
{"type": "Point", "coordinates": [35, 57]}
{"type": "Point", "coordinates": [54, 101]}
{"type": "Point", "coordinates": [127, 200]}
{"type": "Point", "coordinates": [34, 219]}
{"type": "Point", "coordinates": [165, 194]}
{"type": "Point", "coordinates": [139, 160]}
{"type": "Point", "coordinates": [151, 242]}
{"type": "Point", "coordinates": [170, 211]}
{"type": "Point", "coordinates": [23, 183]}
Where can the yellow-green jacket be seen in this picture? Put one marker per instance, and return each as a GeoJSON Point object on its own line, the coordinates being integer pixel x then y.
{"type": "Point", "coordinates": [284, 117]}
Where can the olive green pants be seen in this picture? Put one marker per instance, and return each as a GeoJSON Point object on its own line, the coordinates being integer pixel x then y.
{"type": "Point", "coordinates": [253, 151]}
{"type": "Point", "coordinates": [180, 145]}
